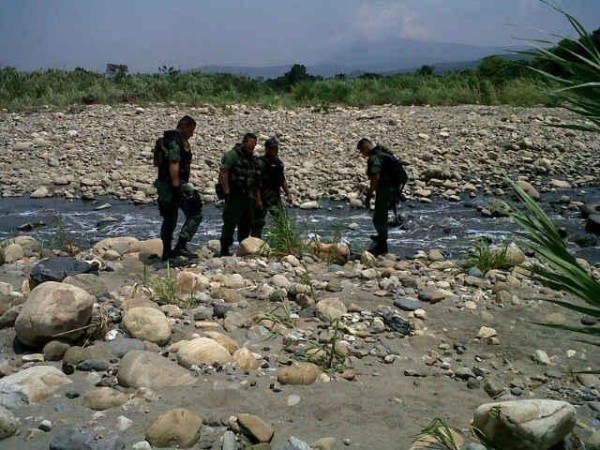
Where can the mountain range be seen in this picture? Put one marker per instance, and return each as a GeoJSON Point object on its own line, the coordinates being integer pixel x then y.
{"type": "Point", "coordinates": [385, 57]}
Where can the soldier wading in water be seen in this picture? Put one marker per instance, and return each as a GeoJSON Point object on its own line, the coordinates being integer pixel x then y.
{"type": "Point", "coordinates": [387, 178]}
{"type": "Point", "coordinates": [173, 157]}
{"type": "Point", "coordinates": [272, 181]}
{"type": "Point", "coordinates": [239, 186]}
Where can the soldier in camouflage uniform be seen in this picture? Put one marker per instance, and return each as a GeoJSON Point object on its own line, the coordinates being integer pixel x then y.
{"type": "Point", "coordinates": [272, 181]}
{"type": "Point", "coordinates": [379, 183]}
{"type": "Point", "coordinates": [173, 157]}
{"type": "Point", "coordinates": [239, 179]}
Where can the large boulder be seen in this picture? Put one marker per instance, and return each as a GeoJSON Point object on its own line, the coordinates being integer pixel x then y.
{"type": "Point", "coordinates": [146, 369]}
{"type": "Point", "coordinates": [8, 423]}
{"type": "Point", "coordinates": [148, 324]}
{"type": "Point", "coordinates": [151, 247]}
{"type": "Point", "coordinates": [89, 282]}
{"type": "Point", "coordinates": [13, 253]}
{"type": "Point", "coordinates": [31, 385]}
{"type": "Point", "coordinates": [54, 310]}
{"type": "Point", "coordinates": [253, 246]}
{"type": "Point", "coordinates": [202, 351]}
{"type": "Point", "coordinates": [57, 269]}
{"type": "Point", "coordinates": [175, 428]}
{"type": "Point", "coordinates": [525, 424]}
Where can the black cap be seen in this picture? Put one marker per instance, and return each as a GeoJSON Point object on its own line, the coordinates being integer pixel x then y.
{"type": "Point", "coordinates": [271, 142]}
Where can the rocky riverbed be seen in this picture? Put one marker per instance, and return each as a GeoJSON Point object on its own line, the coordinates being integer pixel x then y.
{"type": "Point", "coordinates": [107, 150]}
{"type": "Point", "coordinates": [103, 347]}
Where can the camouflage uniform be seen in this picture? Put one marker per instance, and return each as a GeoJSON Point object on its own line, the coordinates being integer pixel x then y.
{"type": "Point", "coordinates": [272, 179]}
{"type": "Point", "coordinates": [170, 200]}
{"type": "Point", "coordinates": [243, 184]}
{"type": "Point", "coordinates": [384, 198]}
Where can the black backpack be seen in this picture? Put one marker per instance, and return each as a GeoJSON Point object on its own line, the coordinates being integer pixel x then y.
{"type": "Point", "coordinates": [393, 173]}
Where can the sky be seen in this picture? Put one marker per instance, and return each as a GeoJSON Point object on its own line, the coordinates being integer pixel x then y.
{"type": "Point", "coordinates": [186, 34]}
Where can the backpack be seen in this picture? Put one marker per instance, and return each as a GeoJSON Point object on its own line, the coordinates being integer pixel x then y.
{"type": "Point", "coordinates": [160, 153]}
{"type": "Point", "coordinates": [393, 172]}
{"type": "Point", "coordinates": [160, 150]}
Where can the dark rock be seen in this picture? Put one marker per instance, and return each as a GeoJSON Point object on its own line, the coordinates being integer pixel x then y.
{"type": "Point", "coordinates": [89, 365]}
{"type": "Point", "coordinates": [57, 269]}
{"type": "Point", "coordinates": [475, 272]}
{"type": "Point", "coordinates": [396, 323]}
{"type": "Point", "coordinates": [406, 304]}
{"type": "Point", "coordinates": [590, 209]}
{"type": "Point", "coordinates": [517, 391]}
{"type": "Point", "coordinates": [220, 310]}
{"type": "Point", "coordinates": [585, 240]}
{"type": "Point", "coordinates": [589, 320]}
{"type": "Point", "coordinates": [593, 224]}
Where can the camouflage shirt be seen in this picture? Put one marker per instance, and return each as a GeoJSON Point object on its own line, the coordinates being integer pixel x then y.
{"type": "Point", "coordinates": [244, 175]}
{"type": "Point", "coordinates": [177, 150]}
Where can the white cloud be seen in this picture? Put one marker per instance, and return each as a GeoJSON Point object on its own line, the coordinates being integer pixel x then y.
{"type": "Point", "coordinates": [378, 20]}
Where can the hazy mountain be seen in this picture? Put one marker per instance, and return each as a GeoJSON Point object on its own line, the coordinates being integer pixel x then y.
{"type": "Point", "coordinates": [389, 56]}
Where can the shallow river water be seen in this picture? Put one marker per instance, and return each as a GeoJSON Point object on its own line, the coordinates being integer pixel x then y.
{"type": "Point", "coordinates": [450, 226]}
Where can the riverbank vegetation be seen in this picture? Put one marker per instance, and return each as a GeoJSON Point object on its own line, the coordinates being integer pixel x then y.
{"type": "Point", "coordinates": [496, 80]}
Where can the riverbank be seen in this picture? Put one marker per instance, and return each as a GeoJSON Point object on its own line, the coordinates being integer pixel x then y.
{"type": "Point", "coordinates": [93, 151]}
{"type": "Point", "coordinates": [414, 339]}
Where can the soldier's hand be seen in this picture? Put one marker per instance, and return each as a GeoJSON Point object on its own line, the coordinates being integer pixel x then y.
{"type": "Point", "coordinates": [290, 199]}
{"type": "Point", "coordinates": [367, 201]}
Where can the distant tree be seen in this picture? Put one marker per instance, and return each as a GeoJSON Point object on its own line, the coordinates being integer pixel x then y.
{"type": "Point", "coordinates": [499, 69]}
{"type": "Point", "coordinates": [340, 76]}
{"type": "Point", "coordinates": [117, 71]}
{"type": "Point", "coordinates": [295, 75]}
{"type": "Point", "coordinates": [425, 70]}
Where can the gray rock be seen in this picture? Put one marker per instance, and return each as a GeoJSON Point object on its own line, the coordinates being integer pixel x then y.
{"type": "Point", "coordinates": [121, 346]}
{"type": "Point", "coordinates": [8, 423]}
{"type": "Point", "coordinates": [55, 350]}
{"type": "Point", "coordinates": [295, 444]}
{"type": "Point", "coordinates": [229, 441]}
{"type": "Point", "coordinates": [89, 365]}
{"type": "Point", "coordinates": [406, 304]}
{"type": "Point", "coordinates": [72, 439]}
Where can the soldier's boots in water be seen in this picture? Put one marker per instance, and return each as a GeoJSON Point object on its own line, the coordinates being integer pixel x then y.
{"type": "Point", "coordinates": [225, 248]}
{"type": "Point", "coordinates": [166, 254]}
{"type": "Point", "coordinates": [379, 246]}
{"type": "Point", "coordinates": [181, 250]}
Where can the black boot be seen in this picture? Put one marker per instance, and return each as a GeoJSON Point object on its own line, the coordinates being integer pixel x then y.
{"type": "Point", "coordinates": [224, 248]}
{"type": "Point", "coordinates": [181, 249]}
{"type": "Point", "coordinates": [166, 253]}
{"type": "Point", "coordinates": [379, 247]}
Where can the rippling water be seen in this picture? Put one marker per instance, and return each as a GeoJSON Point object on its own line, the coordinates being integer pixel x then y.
{"type": "Point", "coordinates": [450, 226]}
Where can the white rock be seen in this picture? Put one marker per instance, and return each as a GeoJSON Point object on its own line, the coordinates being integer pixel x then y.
{"type": "Point", "coordinates": [310, 205]}
{"type": "Point", "coordinates": [486, 332]}
{"type": "Point", "coordinates": [40, 193]}
{"type": "Point", "coordinates": [148, 324]}
{"type": "Point", "coordinates": [31, 385]}
{"type": "Point", "coordinates": [525, 424]}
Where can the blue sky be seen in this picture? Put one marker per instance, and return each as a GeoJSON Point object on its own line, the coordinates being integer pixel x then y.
{"type": "Point", "coordinates": [146, 34]}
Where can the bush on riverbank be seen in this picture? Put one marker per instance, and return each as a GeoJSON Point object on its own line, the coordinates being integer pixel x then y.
{"type": "Point", "coordinates": [20, 90]}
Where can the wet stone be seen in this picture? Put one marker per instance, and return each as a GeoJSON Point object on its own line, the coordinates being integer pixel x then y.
{"type": "Point", "coordinates": [406, 304]}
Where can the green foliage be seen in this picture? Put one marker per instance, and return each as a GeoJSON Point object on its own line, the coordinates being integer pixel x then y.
{"type": "Point", "coordinates": [574, 65]}
{"type": "Point", "coordinates": [20, 90]}
{"type": "Point", "coordinates": [558, 268]}
{"type": "Point", "coordinates": [284, 237]}
{"type": "Point", "coordinates": [438, 436]}
{"type": "Point", "coordinates": [485, 258]}
{"type": "Point", "coordinates": [327, 355]}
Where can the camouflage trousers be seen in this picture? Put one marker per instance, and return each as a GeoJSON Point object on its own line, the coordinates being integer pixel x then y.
{"type": "Point", "coordinates": [273, 205]}
{"type": "Point", "coordinates": [191, 205]}
{"type": "Point", "coordinates": [384, 201]}
{"type": "Point", "coordinates": [238, 213]}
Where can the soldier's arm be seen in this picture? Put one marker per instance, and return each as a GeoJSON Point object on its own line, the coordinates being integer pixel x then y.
{"type": "Point", "coordinates": [174, 158]}
{"type": "Point", "coordinates": [374, 184]}
{"type": "Point", "coordinates": [224, 179]}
